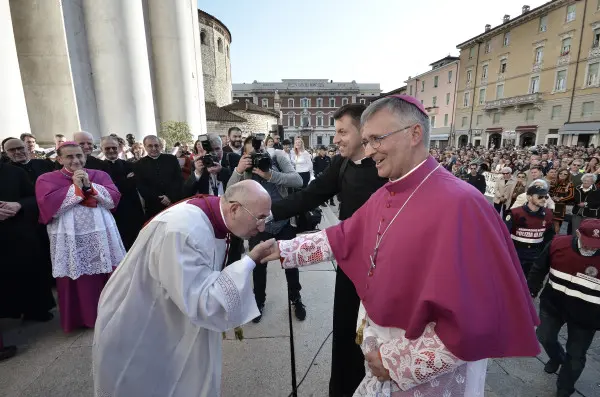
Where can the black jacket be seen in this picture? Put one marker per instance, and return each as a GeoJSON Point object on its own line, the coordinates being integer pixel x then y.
{"type": "Point", "coordinates": [478, 181]}
{"type": "Point", "coordinates": [193, 186]}
{"type": "Point", "coordinates": [358, 183]}
{"type": "Point", "coordinates": [320, 164]}
{"type": "Point", "coordinates": [591, 200]}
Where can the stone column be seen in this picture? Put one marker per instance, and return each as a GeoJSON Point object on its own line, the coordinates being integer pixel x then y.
{"type": "Point", "coordinates": [13, 110]}
{"type": "Point", "coordinates": [119, 59]}
{"type": "Point", "coordinates": [177, 62]}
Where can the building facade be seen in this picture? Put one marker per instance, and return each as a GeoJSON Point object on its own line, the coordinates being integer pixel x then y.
{"type": "Point", "coordinates": [306, 106]}
{"type": "Point", "coordinates": [215, 40]}
{"type": "Point", "coordinates": [534, 79]}
{"type": "Point", "coordinates": [436, 89]}
{"type": "Point", "coordinates": [99, 66]}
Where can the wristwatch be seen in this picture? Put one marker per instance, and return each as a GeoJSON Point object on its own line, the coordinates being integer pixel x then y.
{"type": "Point", "coordinates": [86, 189]}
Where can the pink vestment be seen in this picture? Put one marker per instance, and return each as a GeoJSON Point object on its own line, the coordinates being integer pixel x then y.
{"type": "Point", "coordinates": [446, 275]}
{"type": "Point", "coordinates": [85, 245]}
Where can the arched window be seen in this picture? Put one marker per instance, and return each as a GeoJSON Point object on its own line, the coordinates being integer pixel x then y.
{"type": "Point", "coordinates": [319, 119]}
{"type": "Point", "coordinates": [203, 37]}
{"type": "Point", "coordinates": [291, 119]}
{"type": "Point", "coordinates": [290, 102]}
{"type": "Point", "coordinates": [220, 45]}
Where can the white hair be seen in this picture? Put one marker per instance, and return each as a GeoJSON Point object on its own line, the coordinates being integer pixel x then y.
{"type": "Point", "coordinates": [215, 140]}
{"type": "Point", "coordinates": [593, 176]}
{"type": "Point", "coordinates": [540, 182]}
{"type": "Point", "coordinates": [402, 109]}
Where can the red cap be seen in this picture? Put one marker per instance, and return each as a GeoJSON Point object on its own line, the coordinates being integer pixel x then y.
{"type": "Point", "coordinates": [412, 100]}
{"type": "Point", "coordinates": [589, 232]}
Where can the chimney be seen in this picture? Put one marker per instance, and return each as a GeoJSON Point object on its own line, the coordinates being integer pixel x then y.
{"type": "Point", "coordinates": [525, 10]}
{"type": "Point", "coordinates": [506, 18]}
{"type": "Point", "coordinates": [488, 27]}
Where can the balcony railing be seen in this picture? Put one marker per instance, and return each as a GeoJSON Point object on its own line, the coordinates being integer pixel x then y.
{"type": "Point", "coordinates": [513, 101]}
{"type": "Point", "coordinates": [432, 110]}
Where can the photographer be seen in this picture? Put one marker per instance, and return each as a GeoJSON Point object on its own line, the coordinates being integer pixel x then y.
{"type": "Point", "coordinates": [208, 176]}
{"type": "Point", "coordinates": [275, 174]}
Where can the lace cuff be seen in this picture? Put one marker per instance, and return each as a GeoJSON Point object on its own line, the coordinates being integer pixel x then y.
{"type": "Point", "coordinates": [102, 196]}
{"type": "Point", "coordinates": [413, 362]}
{"type": "Point", "coordinates": [308, 249]}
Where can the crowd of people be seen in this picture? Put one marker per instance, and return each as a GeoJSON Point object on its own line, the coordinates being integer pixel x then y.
{"type": "Point", "coordinates": [130, 233]}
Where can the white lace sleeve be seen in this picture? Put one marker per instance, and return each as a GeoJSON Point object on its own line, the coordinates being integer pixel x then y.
{"type": "Point", "coordinates": [70, 201]}
{"type": "Point", "coordinates": [413, 362]}
{"type": "Point", "coordinates": [308, 249]}
{"type": "Point", "coordinates": [103, 197]}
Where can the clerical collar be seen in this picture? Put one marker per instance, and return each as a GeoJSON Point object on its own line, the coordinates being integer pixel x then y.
{"type": "Point", "coordinates": [409, 172]}
{"type": "Point", "coordinates": [66, 172]}
{"type": "Point", "coordinates": [154, 158]}
{"type": "Point", "coordinates": [359, 162]}
{"type": "Point", "coordinates": [415, 176]}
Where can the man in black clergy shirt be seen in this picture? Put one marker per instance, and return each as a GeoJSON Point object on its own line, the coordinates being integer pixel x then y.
{"type": "Point", "coordinates": [354, 178]}
{"type": "Point", "coordinates": [19, 157]}
{"type": "Point", "coordinates": [158, 176]}
{"type": "Point", "coordinates": [129, 214]}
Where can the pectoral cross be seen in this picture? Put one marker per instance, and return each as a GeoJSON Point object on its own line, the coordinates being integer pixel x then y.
{"type": "Point", "coordinates": [373, 260]}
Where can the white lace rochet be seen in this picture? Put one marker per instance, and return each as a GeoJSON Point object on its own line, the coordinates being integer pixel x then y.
{"type": "Point", "coordinates": [84, 240]}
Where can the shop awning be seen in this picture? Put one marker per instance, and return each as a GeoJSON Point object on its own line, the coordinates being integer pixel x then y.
{"type": "Point", "coordinates": [439, 137]}
{"type": "Point", "coordinates": [494, 130]}
{"type": "Point", "coordinates": [579, 128]}
{"type": "Point", "coordinates": [526, 128]}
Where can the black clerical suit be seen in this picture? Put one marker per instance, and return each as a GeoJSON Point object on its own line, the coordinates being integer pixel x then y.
{"type": "Point", "coordinates": [93, 163]}
{"type": "Point", "coordinates": [34, 168]}
{"type": "Point", "coordinates": [158, 177]}
{"type": "Point", "coordinates": [24, 285]}
{"type": "Point", "coordinates": [129, 214]}
{"type": "Point", "coordinates": [358, 183]}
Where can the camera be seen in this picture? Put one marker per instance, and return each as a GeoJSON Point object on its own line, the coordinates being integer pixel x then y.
{"type": "Point", "coordinates": [208, 160]}
{"type": "Point", "coordinates": [260, 160]}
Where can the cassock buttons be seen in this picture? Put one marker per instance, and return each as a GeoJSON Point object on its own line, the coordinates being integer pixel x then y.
{"type": "Point", "coordinates": [392, 193]}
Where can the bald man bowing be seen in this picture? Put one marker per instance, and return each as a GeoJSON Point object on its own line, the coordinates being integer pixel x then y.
{"type": "Point", "coordinates": [162, 312]}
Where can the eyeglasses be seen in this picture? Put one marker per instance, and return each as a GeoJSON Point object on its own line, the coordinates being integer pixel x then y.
{"type": "Point", "coordinates": [506, 173]}
{"type": "Point", "coordinates": [259, 221]}
{"type": "Point", "coordinates": [107, 148]}
{"type": "Point", "coordinates": [543, 197]}
{"type": "Point", "coordinates": [375, 142]}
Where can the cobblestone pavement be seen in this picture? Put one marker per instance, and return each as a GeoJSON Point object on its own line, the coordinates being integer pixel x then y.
{"type": "Point", "coordinates": [52, 364]}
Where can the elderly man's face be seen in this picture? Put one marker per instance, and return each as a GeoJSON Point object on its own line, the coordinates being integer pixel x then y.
{"type": "Point", "coordinates": [217, 150]}
{"type": "Point", "coordinates": [15, 149]}
{"type": "Point", "coordinates": [153, 147]}
{"type": "Point", "coordinates": [249, 217]}
{"type": "Point", "coordinates": [347, 137]}
{"type": "Point", "coordinates": [30, 144]}
{"type": "Point", "coordinates": [86, 143]}
{"type": "Point", "coordinates": [110, 148]}
{"type": "Point", "coordinates": [393, 154]}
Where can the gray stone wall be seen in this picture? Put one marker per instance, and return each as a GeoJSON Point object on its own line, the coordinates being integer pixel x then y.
{"type": "Point", "coordinates": [216, 65]}
{"type": "Point", "coordinates": [257, 123]}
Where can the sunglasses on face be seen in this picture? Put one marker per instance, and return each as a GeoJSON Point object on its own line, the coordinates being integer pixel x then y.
{"type": "Point", "coordinates": [543, 197]}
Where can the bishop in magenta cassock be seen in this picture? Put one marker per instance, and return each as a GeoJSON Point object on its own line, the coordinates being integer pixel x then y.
{"type": "Point", "coordinates": [440, 284]}
{"type": "Point", "coordinates": [162, 313]}
{"type": "Point", "coordinates": [85, 245]}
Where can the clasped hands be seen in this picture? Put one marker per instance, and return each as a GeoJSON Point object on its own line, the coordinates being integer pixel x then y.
{"type": "Point", "coordinates": [8, 209]}
{"type": "Point", "coordinates": [81, 179]}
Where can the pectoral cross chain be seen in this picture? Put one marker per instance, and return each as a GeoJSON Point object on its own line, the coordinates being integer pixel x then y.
{"type": "Point", "coordinates": [373, 260]}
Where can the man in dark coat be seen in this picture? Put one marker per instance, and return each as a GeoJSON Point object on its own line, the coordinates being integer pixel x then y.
{"type": "Point", "coordinates": [24, 285]}
{"type": "Point", "coordinates": [19, 157]}
{"type": "Point", "coordinates": [158, 177]}
{"type": "Point", "coordinates": [129, 214]}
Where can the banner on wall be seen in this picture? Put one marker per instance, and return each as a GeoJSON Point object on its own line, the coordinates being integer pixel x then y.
{"type": "Point", "coordinates": [490, 183]}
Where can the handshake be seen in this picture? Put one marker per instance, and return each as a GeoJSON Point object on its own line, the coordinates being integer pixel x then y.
{"type": "Point", "coordinates": [265, 252]}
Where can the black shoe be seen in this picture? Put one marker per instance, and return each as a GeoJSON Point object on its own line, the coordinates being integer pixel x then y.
{"type": "Point", "coordinates": [299, 309]}
{"type": "Point", "coordinates": [7, 352]}
{"type": "Point", "coordinates": [552, 366]}
{"type": "Point", "coordinates": [257, 319]}
{"type": "Point", "coordinates": [42, 317]}
{"type": "Point", "coordinates": [563, 393]}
